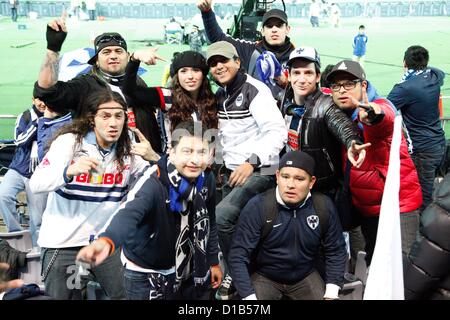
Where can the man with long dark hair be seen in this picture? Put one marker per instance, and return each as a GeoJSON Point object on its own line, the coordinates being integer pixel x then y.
{"type": "Point", "coordinates": [87, 172]}
{"type": "Point", "coordinates": [108, 71]}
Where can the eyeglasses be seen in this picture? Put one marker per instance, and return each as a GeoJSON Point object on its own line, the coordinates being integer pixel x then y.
{"type": "Point", "coordinates": [348, 85]}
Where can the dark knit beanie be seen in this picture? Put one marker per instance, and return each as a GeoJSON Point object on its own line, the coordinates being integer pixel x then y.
{"type": "Point", "coordinates": [191, 59]}
{"type": "Point", "coordinates": [107, 39]}
{"type": "Point", "coordinates": [298, 159]}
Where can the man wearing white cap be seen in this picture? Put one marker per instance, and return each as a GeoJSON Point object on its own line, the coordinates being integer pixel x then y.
{"type": "Point", "coordinates": [315, 125]}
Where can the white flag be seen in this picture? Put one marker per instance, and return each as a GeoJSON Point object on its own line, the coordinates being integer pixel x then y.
{"type": "Point", "coordinates": [385, 279]}
{"type": "Point", "coordinates": [74, 62]}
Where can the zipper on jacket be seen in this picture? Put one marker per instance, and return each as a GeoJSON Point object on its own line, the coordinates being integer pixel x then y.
{"type": "Point", "coordinates": [295, 233]}
{"type": "Point", "coordinates": [306, 132]}
{"type": "Point", "coordinates": [328, 159]}
{"type": "Point", "coordinates": [224, 108]}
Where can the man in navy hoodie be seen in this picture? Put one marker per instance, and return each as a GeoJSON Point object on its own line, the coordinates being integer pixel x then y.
{"type": "Point", "coordinates": [417, 97]}
{"type": "Point", "coordinates": [283, 261]}
{"type": "Point", "coordinates": [167, 225]}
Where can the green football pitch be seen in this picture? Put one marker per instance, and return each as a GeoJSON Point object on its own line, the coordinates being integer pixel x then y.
{"type": "Point", "coordinates": [23, 49]}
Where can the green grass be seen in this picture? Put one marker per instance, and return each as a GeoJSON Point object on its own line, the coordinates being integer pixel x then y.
{"type": "Point", "coordinates": [388, 39]}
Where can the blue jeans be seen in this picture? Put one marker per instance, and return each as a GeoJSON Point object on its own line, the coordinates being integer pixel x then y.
{"type": "Point", "coordinates": [233, 201]}
{"type": "Point", "coordinates": [427, 163]}
{"type": "Point", "coordinates": [156, 286]}
{"type": "Point", "coordinates": [63, 283]}
{"type": "Point", "coordinates": [11, 185]}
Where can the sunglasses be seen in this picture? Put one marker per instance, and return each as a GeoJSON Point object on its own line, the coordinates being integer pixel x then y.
{"type": "Point", "coordinates": [216, 59]}
{"type": "Point", "coordinates": [270, 25]}
{"type": "Point", "coordinates": [109, 38]}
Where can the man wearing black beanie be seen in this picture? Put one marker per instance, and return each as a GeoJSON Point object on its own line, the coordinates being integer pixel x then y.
{"type": "Point", "coordinates": [108, 71]}
{"type": "Point", "coordinates": [280, 231]}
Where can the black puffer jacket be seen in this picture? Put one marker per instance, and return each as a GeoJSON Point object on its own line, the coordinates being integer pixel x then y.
{"type": "Point", "coordinates": [427, 267]}
{"type": "Point", "coordinates": [324, 130]}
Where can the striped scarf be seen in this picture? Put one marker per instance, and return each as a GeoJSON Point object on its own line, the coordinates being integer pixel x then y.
{"type": "Point", "coordinates": [412, 73]}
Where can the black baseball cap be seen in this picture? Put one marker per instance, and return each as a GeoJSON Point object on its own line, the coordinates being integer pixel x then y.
{"type": "Point", "coordinates": [275, 13]}
{"type": "Point", "coordinates": [107, 39]}
{"type": "Point", "coordinates": [347, 66]}
{"type": "Point", "coordinates": [298, 159]}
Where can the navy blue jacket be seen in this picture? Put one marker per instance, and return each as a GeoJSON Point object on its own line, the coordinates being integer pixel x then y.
{"type": "Point", "coordinates": [47, 128]}
{"type": "Point", "coordinates": [418, 100]}
{"type": "Point", "coordinates": [288, 253]}
{"type": "Point", "coordinates": [148, 229]}
{"type": "Point", "coordinates": [24, 135]}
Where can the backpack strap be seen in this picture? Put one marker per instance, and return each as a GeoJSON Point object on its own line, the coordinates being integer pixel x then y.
{"type": "Point", "coordinates": [319, 203]}
{"type": "Point", "coordinates": [271, 212]}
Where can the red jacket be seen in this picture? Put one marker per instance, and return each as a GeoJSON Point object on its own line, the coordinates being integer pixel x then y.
{"type": "Point", "coordinates": [367, 182]}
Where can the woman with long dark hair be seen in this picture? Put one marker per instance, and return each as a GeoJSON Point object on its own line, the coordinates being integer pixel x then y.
{"type": "Point", "coordinates": [190, 95]}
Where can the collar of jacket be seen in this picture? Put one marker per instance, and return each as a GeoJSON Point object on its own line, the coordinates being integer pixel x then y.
{"type": "Point", "coordinates": [281, 52]}
{"type": "Point", "coordinates": [106, 77]}
{"type": "Point", "coordinates": [91, 138]}
{"type": "Point", "coordinates": [282, 203]}
{"type": "Point", "coordinates": [311, 99]}
{"type": "Point", "coordinates": [236, 83]}
{"type": "Point", "coordinates": [36, 110]}
{"type": "Point", "coordinates": [162, 167]}
{"type": "Point", "coordinates": [289, 99]}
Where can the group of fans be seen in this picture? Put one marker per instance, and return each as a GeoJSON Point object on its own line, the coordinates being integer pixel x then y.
{"type": "Point", "coordinates": [148, 185]}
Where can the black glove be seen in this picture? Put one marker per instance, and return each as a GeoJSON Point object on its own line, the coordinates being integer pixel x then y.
{"type": "Point", "coordinates": [372, 117]}
{"type": "Point", "coordinates": [375, 118]}
{"type": "Point", "coordinates": [55, 39]}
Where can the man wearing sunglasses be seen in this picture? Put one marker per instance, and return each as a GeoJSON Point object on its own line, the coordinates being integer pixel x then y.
{"type": "Point", "coordinates": [251, 133]}
{"type": "Point", "coordinates": [108, 70]}
{"type": "Point", "coordinates": [264, 60]}
{"type": "Point", "coordinates": [375, 115]}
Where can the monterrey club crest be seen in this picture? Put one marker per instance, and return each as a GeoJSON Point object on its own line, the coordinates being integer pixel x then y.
{"type": "Point", "coordinates": [313, 221]}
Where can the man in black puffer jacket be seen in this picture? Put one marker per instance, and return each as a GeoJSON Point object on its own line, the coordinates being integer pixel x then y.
{"type": "Point", "coordinates": [427, 267]}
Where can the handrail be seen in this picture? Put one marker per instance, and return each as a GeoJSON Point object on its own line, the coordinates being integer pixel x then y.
{"type": "Point", "coordinates": [7, 116]}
